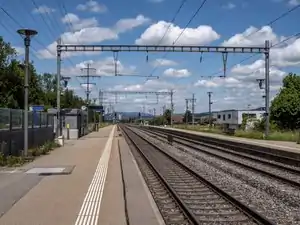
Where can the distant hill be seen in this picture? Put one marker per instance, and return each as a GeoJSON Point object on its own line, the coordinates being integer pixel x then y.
{"type": "Point", "coordinates": [127, 115]}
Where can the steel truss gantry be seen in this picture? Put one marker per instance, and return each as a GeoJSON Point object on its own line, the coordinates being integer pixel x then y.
{"type": "Point", "coordinates": [157, 93]}
{"type": "Point", "coordinates": [175, 48]}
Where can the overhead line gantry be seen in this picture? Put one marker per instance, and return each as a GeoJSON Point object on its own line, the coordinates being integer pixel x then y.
{"type": "Point", "coordinates": [224, 50]}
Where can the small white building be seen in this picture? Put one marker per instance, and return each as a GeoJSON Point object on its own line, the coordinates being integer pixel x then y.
{"type": "Point", "coordinates": [233, 118]}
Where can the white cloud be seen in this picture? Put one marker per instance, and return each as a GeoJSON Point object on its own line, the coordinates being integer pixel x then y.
{"type": "Point", "coordinates": [286, 56]}
{"type": "Point", "coordinates": [253, 36]}
{"type": "Point", "coordinates": [77, 23]}
{"type": "Point", "coordinates": [163, 62]}
{"type": "Point", "coordinates": [294, 2]}
{"type": "Point", "coordinates": [228, 82]}
{"type": "Point", "coordinates": [192, 36]}
{"type": "Point", "coordinates": [156, 1]}
{"type": "Point", "coordinates": [229, 5]}
{"type": "Point", "coordinates": [256, 70]}
{"type": "Point", "coordinates": [149, 85]}
{"type": "Point", "coordinates": [93, 34]}
{"type": "Point", "coordinates": [19, 50]}
{"type": "Point", "coordinates": [92, 6]}
{"type": "Point", "coordinates": [104, 67]}
{"type": "Point", "coordinates": [130, 23]}
{"type": "Point", "coordinates": [171, 72]}
{"type": "Point", "coordinates": [43, 9]}
{"type": "Point", "coordinates": [149, 101]}
{"type": "Point", "coordinates": [91, 86]}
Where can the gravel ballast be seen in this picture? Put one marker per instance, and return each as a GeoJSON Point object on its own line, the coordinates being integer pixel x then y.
{"type": "Point", "coordinates": [274, 199]}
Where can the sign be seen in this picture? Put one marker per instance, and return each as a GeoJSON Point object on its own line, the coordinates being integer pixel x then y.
{"type": "Point", "coordinates": [83, 107]}
{"type": "Point", "coordinates": [97, 108]}
{"type": "Point", "coordinates": [37, 108]}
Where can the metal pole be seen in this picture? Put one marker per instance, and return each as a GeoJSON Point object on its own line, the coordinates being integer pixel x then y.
{"type": "Point", "coordinates": [26, 86]}
{"type": "Point", "coordinates": [267, 86]}
{"type": "Point", "coordinates": [58, 123]}
{"type": "Point", "coordinates": [26, 33]}
{"type": "Point", "coordinates": [186, 109]}
{"type": "Point", "coordinates": [209, 107]}
{"type": "Point", "coordinates": [88, 92]}
{"type": "Point", "coordinates": [172, 108]}
{"type": "Point", "coordinates": [193, 110]}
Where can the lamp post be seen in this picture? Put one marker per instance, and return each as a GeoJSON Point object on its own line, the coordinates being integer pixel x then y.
{"type": "Point", "coordinates": [26, 34]}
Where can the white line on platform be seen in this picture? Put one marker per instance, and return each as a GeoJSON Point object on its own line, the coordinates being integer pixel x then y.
{"type": "Point", "coordinates": [90, 208]}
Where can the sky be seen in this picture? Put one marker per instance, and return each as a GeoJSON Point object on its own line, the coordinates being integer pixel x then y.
{"type": "Point", "coordinates": [161, 22]}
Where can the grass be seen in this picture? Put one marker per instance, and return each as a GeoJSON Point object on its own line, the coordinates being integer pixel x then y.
{"type": "Point", "coordinates": [274, 135]}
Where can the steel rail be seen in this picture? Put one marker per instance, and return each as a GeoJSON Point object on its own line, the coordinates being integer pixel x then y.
{"type": "Point", "coordinates": [251, 213]}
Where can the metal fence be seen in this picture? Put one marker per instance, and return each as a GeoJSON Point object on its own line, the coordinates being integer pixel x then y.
{"type": "Point", "coordinates": [11, 119]}
{"type": "Point", "coordinates": [40, 130]}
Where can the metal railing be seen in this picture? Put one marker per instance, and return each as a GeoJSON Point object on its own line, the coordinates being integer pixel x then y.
{"type": "Point", "coordinates": [12, 119]}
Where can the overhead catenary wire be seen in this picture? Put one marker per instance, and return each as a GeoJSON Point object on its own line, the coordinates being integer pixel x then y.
{"type": "Point", "coordinates": [172, 21]}
{"type": "Point", "coordinates": [281, 16]}
{"type": "Point", "coordinates": [36, 39]}
{"type": "Point", "coordinates": [167, 30]}
{"type": "Point", "coordinates": [184, 29]}
{"type": "Point", "coordinates": [51, 31]}
{"type": "Point", "coordinates": [297, 35]}
{"type": "Point", "coordinates": [71, 27]}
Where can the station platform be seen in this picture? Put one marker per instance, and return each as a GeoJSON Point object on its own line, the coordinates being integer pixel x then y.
{"type": "Point", "coordinates": [79, 184]}
{"type": "Point", "coordinates": [278, 145]}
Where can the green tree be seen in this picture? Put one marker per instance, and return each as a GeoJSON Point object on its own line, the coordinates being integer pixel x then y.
{"type": "Point", "coordinates": [158, 120]}
{"type": "Point", "coordinates": [167, 116]}
{"type": "Point", "coordinates": [42, 87]}
{"type": "Point", "coordinates": [285, 108]}
{"type": "Point", "coordinates": [188, 117]}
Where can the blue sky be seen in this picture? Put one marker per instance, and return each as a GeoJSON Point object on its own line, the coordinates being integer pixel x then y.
{"type": "Point", "coordinates": [219, 22]}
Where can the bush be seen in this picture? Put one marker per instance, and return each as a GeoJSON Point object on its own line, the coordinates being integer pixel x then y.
{"type": "Point", "coordinates": [14, 161]}
{"type": "Point", "coordinates": [2, 159]}
{"type": "Point", "coordinates": [35, 152]}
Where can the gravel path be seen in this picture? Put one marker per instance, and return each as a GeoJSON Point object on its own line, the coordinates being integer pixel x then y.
{"type": "Point", "coordinates": [275, 200]}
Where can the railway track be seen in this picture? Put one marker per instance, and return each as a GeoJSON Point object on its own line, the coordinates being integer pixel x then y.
{"type": "Point", "coordinates": [284, 173]}
{"type": "Point", "coordinates": [182, 195]}
{"type": "Point", "coordinates": [282, 157]}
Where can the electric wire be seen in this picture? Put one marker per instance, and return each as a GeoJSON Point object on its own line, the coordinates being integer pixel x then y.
{"type": "Point", "coordinates": [281, 16]}
{"type": "Point", "coordinates": [184, 29]}
{"type": "Point", "coordinates": [71, 26]}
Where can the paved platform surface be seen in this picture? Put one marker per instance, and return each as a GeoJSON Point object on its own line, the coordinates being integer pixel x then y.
{"type": "Point", "coordinates": [91, 194]}
{"type": "Point", "coordinates": [56, 199]}
{"type": "Point", "coordinates": [141, 208]}
{"type": "Point", "coordinates": [280, 145]}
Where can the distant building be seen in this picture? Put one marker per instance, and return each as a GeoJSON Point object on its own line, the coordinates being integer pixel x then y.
{"type": "Point", "coordinates": [231, 118]}
{"type": "Point", "coordinates": [177, 119]}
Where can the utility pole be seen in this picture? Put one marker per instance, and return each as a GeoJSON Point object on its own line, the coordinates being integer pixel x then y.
{"type": "Point", "coordinates": [154, 112]}
{"type": "Point", "coordinates": [267, 87]}
{"type": "Point", "coordinates": [88, 75]}
{"type": "Point", "coordinates": [186, 109]}
{"type": "Point", "coordinates": [193, 109]}
{"type": "Point", "coordinates": [209, 107]}
{"type": "Point", "coordinates": [26, 34]}
{"type": "Point", "coordinates": [193, 100]}
{"type": "Point", "coordinates": [172, 108]}
{"type": "Point", "coordinates": [58, 119]}
{"type": "Point", "coordinates": [263, 87]}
